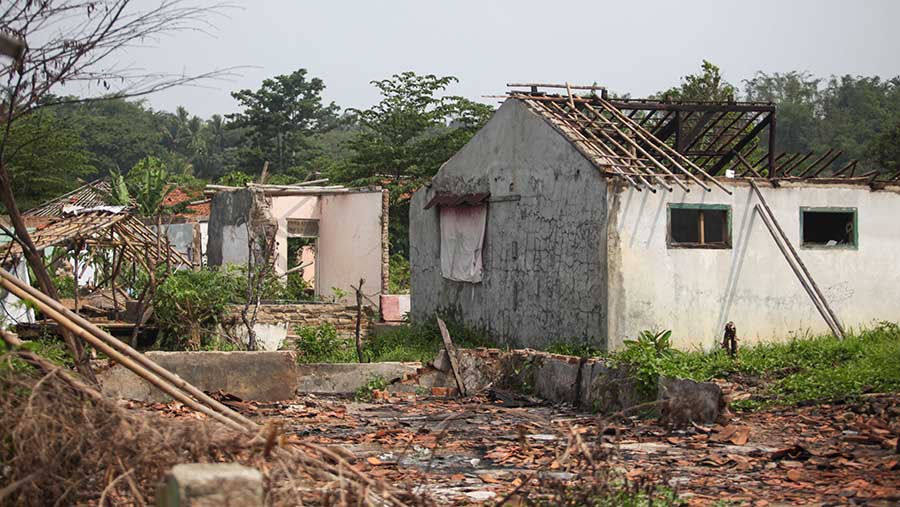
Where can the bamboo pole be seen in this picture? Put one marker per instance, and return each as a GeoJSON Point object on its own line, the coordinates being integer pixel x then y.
{"type": "Point", "coordinates": [121, 358]}
{"type": "Point", "coordinates": [834, 329]}
{"type": "Point", "coordinates": [114, 348]}
{"type": "Point", "coordinates": [796, 255]}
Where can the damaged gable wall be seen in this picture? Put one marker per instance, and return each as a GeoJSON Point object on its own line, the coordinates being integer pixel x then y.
{"type": "Point", "coordinates": [544, 248]}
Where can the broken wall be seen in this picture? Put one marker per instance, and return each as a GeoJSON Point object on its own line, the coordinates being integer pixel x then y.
{"type": "Point", "coordinates": [227, 230]}
{"type": "Point", "coordinates": [349, 243]}
{"type": "Point", "coordinates": [695, 292]}
{"type": "Point", "coordinates": [544, 248]}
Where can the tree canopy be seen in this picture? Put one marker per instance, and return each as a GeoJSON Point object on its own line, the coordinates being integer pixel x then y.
{"type": "Point", "coordinates": [400, 141]}
{"type": "Point", "coordinates": [279, 117]}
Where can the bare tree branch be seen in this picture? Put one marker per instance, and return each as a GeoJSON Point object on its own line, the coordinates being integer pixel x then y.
{"type": "Point", "coordinates": [72, 41]}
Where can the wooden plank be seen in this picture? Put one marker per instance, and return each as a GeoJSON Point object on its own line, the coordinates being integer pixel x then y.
{"type": "Point", "coordinates": [451, 355]}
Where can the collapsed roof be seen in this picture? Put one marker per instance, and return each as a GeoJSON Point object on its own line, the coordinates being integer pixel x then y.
{"type": "Point", "coordinates": [103, 227]}
{"type": "Point", "coordinates": [89, 195]}
{"type": "Point", "coordinates": [655, 144]}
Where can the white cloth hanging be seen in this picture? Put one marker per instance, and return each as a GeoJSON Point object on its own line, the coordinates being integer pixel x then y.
{"type": "Point", "coordinates": [462, 238]}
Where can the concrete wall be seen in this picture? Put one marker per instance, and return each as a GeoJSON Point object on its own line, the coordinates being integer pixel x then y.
{"type": "Point", "coordinates": [694, 292]}
{"type": "Point", "coordinates": [544, 249]}
{"type": "Point", "coordinates": [349, 243]}
{"type": "Point", "coordinates": [229, 212]}
{"type": "Point", "coordinates": [261, 376]}
{"type": "Point", "coordinates": [181, 236]}
{"type": "Point", "coordinates": [285, 207]}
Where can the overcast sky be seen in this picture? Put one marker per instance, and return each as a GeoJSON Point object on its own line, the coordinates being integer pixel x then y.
{"type": "Point", "coordinates": [637, 46]}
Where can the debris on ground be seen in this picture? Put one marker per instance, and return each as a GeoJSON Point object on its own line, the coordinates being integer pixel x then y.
{"type": "Point", "coordinates": [473, 450]}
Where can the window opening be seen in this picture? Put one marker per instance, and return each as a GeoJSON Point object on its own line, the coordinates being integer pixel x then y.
{"type": "Point", "coordinates": [828, 228]}
{"type": "Point", "coordinates": [699, 226]}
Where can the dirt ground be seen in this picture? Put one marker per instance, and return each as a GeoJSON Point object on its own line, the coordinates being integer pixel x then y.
{"type": "Point", "coordinates": [475, 450]}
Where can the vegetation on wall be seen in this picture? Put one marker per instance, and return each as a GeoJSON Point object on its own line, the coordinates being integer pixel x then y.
{"type": "Point", "coordinates": [190, 306]}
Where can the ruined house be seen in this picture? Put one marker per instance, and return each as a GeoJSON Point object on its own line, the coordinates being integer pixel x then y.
{"type": "Point", "coordinates": [581, 218]}
{"type": "Point", "coordinates": [334, 235]}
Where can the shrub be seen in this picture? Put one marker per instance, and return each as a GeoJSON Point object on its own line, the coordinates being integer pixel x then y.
{"type": "Point", "coordinates": [322, 344]}
{"type": "Point", "coordinates": [802, 369]}
{"type": "Point", "coordinates": [364, 393]}
{"type": "Point", "coordinates": [647, 356]}
{"type": "Point", "coordinates": [189, 306]}
{"type": "Point", "coordinates": [419, 342]}
{"type": "Point", "coordinates": [399, 275]}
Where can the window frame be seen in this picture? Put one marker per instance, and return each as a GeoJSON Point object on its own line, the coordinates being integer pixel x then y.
{"type": "Point", "coordinates": [726, 245]}
{"type": "Point", "coordinates": [830, 209]}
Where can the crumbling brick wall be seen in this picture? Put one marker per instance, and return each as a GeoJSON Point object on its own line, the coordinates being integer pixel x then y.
{"type": "Point", "coordinates": [342, 317]}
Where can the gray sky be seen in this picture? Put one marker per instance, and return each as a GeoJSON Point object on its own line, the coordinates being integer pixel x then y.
{"type": "Point", "coordinates": [637, 46]}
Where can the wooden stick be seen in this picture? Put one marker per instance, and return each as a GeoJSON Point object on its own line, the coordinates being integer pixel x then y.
{"type": "Point", "coordinates": [793, 251]}
{"type": "Point", "coordinates": [451, 355]}
{"type": "Point", "coordinates": [83, 327]}
{"type": "Point", "coordinates": [796, 270]}
{"type": "Point", "coordinates": [359, 298]}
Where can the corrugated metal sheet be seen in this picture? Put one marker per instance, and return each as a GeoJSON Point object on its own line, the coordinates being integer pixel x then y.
{"type": "Point", "coordinates": [88, 196]}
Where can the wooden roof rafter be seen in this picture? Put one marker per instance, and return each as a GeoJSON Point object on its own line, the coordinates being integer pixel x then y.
{"type": "Point", "coordinates": [651, 143]}
{"type": "Point", "coordinates": [104, 229]}
{"type": "Point", "coordinates": [617, 144]}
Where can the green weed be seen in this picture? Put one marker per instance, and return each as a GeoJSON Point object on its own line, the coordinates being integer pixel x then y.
{"type": "Point", "coordinates": [322, 344]}
{"type": "Point", "coordinates": [802, 369]}
{"type": "Point", "coordinates": [364, 393]}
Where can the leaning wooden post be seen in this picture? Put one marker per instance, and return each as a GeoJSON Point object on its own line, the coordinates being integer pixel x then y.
{"type": "Point", "coordinates": [451, 355]}
{"type": "Point", "coordinates": [793, 252]}
{"type": "Point", "coordinates": [359, 299]}
{"type": "Point", "coordinates": [75, 276]}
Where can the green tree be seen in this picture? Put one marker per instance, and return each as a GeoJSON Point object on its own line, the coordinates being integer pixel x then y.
{"type": "Point", "coordinates": [884, 150]}
{"type": "Point", "coordinates": [405, 138]}
{"type": "Point", "coordinates": [118, 194]}
{"type": "Point", "coordinates": [706, 86]}
{"type": "Point", "coordinates": [46, 158]}
{"type": "Point", "coordinates": [855, 111]}
{"type": "Point", "coordinates": [117, 133]}
{"type": "Point", "coordinates": [147, 185]}
{"type": "Point", "coordinates": [279, 117]}
{"type": "Point", "coordinates": [236, 179]}
{"type": "Point", "coordinates": [799, 101]}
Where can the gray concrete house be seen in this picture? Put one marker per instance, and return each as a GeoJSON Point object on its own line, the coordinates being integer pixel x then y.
{"type": "Point", "coordinates": [587, 219]}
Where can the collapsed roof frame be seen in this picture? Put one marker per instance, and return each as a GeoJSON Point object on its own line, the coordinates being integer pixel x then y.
{"type": "Point", "coordinates": [105, 229]}
{"type": "Point", "coordinates": [88, 195]}
{"type": "Point", "coordinates": [655, 143]}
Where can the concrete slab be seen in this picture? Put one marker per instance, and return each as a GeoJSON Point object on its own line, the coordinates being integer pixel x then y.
{"type": "Point", "coordinates": [346, 378]}
{"type": "Point", "coordinates": [261, 376]}
{"type": "Point", "coordinates": [211, 485]}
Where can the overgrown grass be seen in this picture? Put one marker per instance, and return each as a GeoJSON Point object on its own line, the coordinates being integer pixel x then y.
{"type": "Point", "coordinates": [318, 344]}
{"type": "Point", "coordinates": [49, 348]}
{"type": "Point", "coordinates": [575, 349]}
{"type": "Point", "coordinates": [801, 369]}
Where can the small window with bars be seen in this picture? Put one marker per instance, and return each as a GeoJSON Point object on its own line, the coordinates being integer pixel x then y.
{"type": "Point", "coordinates": [699, 226]}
